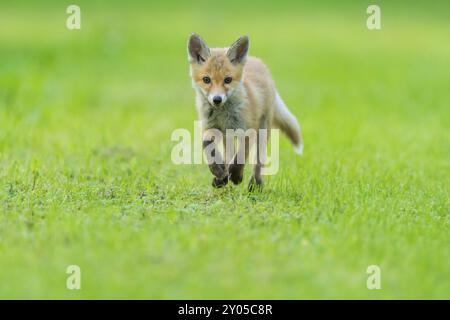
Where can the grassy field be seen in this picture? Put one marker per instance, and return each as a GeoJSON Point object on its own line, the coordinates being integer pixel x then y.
{"type": "Point", "coordinates": [86, 176]}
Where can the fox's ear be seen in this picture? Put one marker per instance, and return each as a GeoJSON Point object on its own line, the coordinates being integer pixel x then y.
{"type": "Point", "coordinates": [197, 49]}
{"type": "Point", "coordinates": [238, 50]}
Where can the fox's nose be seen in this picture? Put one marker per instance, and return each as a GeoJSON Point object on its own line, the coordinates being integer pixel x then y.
{"type": "Point", "coordinates": [217, 100]}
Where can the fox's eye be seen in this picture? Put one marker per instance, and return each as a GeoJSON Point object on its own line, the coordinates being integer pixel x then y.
{"type": "Point", "coordinates": [228, 80]}
{"type": "Point", "coordinates": [206, 80]}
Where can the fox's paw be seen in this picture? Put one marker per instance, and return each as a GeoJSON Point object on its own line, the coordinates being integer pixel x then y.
{"type": "Point", "coordinates": [236, 173]}
{"type": "Point", "coordinates": [255, 185]}
{"type": "Point", "coordinates": [219, 183]}
{"type": "Point", "coordinates": [219, 171]}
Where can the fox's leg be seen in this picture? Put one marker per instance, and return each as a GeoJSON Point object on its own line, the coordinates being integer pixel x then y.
{"type": "Point", "coordinates": [238, 163]}
{"type": "Point", "coordinates": [261, 148]}
{"type": "Point", "coordinates": [215, 161]}
{"type": "Point", "coordinates": [256, 180]}
{"type": "Point", "coordinates": [228, 153]}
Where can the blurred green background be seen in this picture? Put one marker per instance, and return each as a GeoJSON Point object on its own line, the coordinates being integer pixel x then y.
{"type": "Point", "coordinates": [86, 177]}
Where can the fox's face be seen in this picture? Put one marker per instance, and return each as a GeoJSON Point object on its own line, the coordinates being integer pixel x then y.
{"type": "Point", "coordinates": [217, 72]}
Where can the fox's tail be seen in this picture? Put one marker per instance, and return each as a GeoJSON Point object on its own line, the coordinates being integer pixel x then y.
{"type": "Point", "coordinates": [285, 120]}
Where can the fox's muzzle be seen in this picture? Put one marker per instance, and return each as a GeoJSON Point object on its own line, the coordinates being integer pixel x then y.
{"type": "Point", "coordinates": [217, 100]}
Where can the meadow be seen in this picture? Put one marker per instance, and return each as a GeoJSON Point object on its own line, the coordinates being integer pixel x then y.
{"type": "Point", "coordinates": [86, 177]}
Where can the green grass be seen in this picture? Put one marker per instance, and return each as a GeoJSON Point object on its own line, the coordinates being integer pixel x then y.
{"type": "Point", "coordinates": [86, 176]}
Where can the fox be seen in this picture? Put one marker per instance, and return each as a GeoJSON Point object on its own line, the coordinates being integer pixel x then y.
{"type": "Point", "coordinates": [236, 91]}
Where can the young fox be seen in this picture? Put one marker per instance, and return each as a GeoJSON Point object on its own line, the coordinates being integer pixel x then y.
{"type": "Point", "coordinates": [236, 92]}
